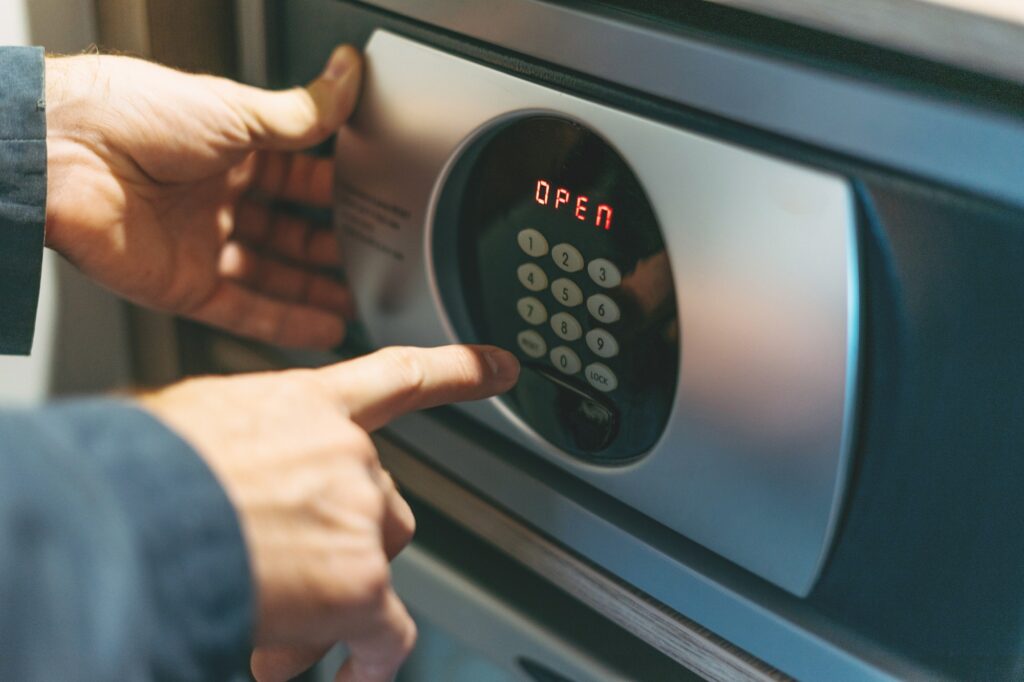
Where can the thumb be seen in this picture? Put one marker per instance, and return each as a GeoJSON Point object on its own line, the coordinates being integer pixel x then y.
{"type": "Point", "coordinates": [295, 119]}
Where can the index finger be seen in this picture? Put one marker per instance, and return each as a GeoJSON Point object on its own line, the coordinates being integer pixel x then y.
{"type": "Point", "coordinates": [379, 387]}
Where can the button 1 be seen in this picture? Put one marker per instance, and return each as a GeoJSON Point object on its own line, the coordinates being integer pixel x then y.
{"type": "Point", "coordinates": [532, 242]}
{"type": "Point", "coordinates": [531, 310]}
{"type": "Point", "coordinates": [532, 277]}
{"type": "Point", "coordinates": [567, 292]}
{"type": "Point", "coordinates": [602, 343]}
{"type": "Point", "coordinates": [567, 257]}
{"type": "Point", "coordinates": [565, 360]}
{"type": "Point", "coordinates": [602, 308]}
{"type": "Point", "coordinates": [600, 377]}
{"type": "Point", "coordinates": [566, 326]}
{"type": "Point", "coordinates": [604, 273]}
{"type": "Point", "coordinates": [532, 343]}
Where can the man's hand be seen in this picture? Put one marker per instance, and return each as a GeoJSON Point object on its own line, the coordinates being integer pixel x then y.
{"type": "Point", "coordinates": [320, 516]}
{"type": "Point", "coordinates": [161, 187]}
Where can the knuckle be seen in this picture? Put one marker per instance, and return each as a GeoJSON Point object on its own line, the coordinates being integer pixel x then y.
{"type": "Point", "coordinates": [372, 581]}
{"type": "Point", "coordinates": [407, 364]}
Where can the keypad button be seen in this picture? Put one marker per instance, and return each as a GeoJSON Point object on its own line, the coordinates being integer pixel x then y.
{"type": "Point", "coordinates": [602, 343]}
{"type": "Point", "coordinates": [531, 310]}
{"type": "Point", "coordinates": [532, 277]}
{"type": "Point", "coordinates": [603, 308]}
{"type": "Point", "coordinates": [532, 242]}
{"type": "Point", "coordinates": [604, 273]}
{"type": "Point", "coordinates": [532, 343]}
{"type": "Point", "coordinates": [567, 257]}
{"type": "Point", "coordinates": [600, 377]}
{"type": "Point", "coordinates": [565, 360]}
{"type": "Point", "coordinates": [567, 292]}
{"type": "Point", "coordinates": [566, 326]}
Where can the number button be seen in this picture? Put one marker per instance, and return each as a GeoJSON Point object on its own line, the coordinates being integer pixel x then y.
{"type": "Point", "coordinates": [567, 292]}
{"type": "Point", "coordinates": [602, 343]}
{"type": "Point", "coordinates": [532, 242]}
{"type": "Point", "coordinates": [600, 377]}
{"type": "Point", "coordinates": [532, 343]}
{"type": "Point", "coordinates": [531, 310]}
{"type": "Point", "coordinates": [567, 257]}
{"type": "Point", "coordinates": [565, 360]}
{"type": "Point", "coordinates": [603, 308]}
{"type": "Point", "coordinates": [604, 273]}
{"type": "Point", "coordinates": [532, 277]}
{"type": "Point", "coordinates": [566, 326]}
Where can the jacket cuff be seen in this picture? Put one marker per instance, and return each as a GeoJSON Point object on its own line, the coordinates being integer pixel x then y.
{"type": "Point", "coordinates": [22, 193]}
{"type": "Point", "coordinates": [188, 536]}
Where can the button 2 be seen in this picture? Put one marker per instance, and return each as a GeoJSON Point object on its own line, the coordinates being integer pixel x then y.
{"type": "Point", "coordinates": [532, 277]}
{"type": "Point", "coordinates": [567, 257]}
{"type": "Point", "coordinates": [565, 360]}
{"type": "Point", "coordinates": [602, 308]}
{"type": "Point", "coordinates": [600, 377]}
{"type": "Point", "coordinates": [602, 343]}
{"type": "Point", "coordinates": [532, 242]}
{"type": "Point", "coordinates": [567, 292]}
{"type": "Point", "coordinates": [604, 273]}
{"type": "Point", "coordinates": [566, 326]}
{"type": "Point", "coordinates": [532, 343]}
{"type": "Point", "coordinates": [531, 310]}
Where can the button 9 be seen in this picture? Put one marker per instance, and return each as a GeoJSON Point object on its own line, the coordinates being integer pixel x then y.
{"type": "Point", "coordinates": [602, 343]}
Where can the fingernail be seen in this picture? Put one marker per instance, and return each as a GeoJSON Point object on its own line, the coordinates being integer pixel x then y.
{"type": "Point", "coordinates": [339, 63]}
{"type": "Point", "coordinates": [504, 365]}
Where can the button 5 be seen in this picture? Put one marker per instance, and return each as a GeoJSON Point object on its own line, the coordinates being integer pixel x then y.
{"type": "Point", "coordinates": [532, 343]}
{"type": "Point", "coordinates": [532, 277]}
{"type": "Point", "coordinates": [531, 310]}
{"type": "Point", "coordinates": [565, 360]}
{"type": "Point", "coordinates": [567, 257]}
{"type": "Point", "coordinates": [600, 377]}
{"type": "Point", "coordinates": [604, 273]}
{"type": "Point", "coordinates": [567, 292]}
{"type": "Point", "coordinates": [602, 308]}
{"type": "Point", "coordinates": [532, 242]}
{"type": "Point", "coordinates": [566, 326]}
{"type": "Point", "coordinates": [602, 343]}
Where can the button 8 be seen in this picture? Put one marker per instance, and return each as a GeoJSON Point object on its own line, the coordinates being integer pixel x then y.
{"type": "Point", "coordinates": [566, 292]}
{"type": "Point", "coordinates": [531, 310]}
{"type": "Point", "coordinates": [603, 308]}
{"type": "Point", "coordinates": [565, 360]}
{"type": "Point", "coordinates": [532, 277]}
{"type": "Point", "coordinates": [532, 242]}
{"type": "Point", "coordinates": [604, 273]}
{"type": "Point", "coordinates": [566, 326]}
{"type": "Point", "coordinates": [567, 257]}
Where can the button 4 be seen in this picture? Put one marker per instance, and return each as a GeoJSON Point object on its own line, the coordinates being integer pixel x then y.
{"type": "Point", "coordinates": [567, 257]}
{"type": "Point", "coordinates": [532, 343]}
{"type": "Point", "coordinates": [602, 343]}
{"type": "Point", "coordinates": [565, 360]}
{"type": "Point", "coordinates": [600, 377]}
{"type": "Point", "coordinates": [531, 310]}
{"type": "Point", "coordinates": [532, 242]}
{"type": "Point", "coordinates": [604, 273]}
{"type": "Point", "coordinates": [603, 308]}
{"type": "Point", "coordinates": [566, 326]}
{"type": "Point", "coordinates": [567, 292]}
{"type": "Point", "coordinates": [532, 277]}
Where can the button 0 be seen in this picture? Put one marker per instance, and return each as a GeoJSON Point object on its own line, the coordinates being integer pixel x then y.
{"type": "Point", "coordinates": [532, 242]}
{"type": "Point", "coordinates": [532, 277]}
{"type": "Point", "coordinates": [603, 308]}
{"type": "Point", "coordinates": [600, 377]}
{"type": "Point", "coordinates": [602, 343]}
{"type": "Point", "coordinates": [531, 310]}
{"type": "Point", "coordinates": [567, 257]}
{"type": "Point", "coordinates": [566, 326]}
{"type": "Point", "coordinates": [532, 343]}
{"type": "Point", "coordinates": [565, 360]}
{"type": "Point", "coordinates": [567, 292]}
{"type": "Point", "coordinates": [604, 273]}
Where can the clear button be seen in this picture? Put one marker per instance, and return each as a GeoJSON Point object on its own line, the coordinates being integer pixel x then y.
{"type": "Point", "coordinates": [600, 377]}
{"type": "Point", "coordinates": [567, 292]}
{"type": "Point", "coordinates": [567, 257]}
{"type": "Point", "coordinates": [532, 242]}
{"type": "Point", "coordinates": [602, 343]}
{"type": "Point", "coordinates": [532, 343]}
{"type": "Point", "coordinates": [604, 273]}
{"type": "Point", "coordinates": [566, 360]}
{"type": "Point", "coordinates": [566, 326]}
{"type": "Point", "coordinates": [603, 308]}
{"type": "Point", "coordinates": [531, 310]}
{"type": "Point", "coordinates": [532, 277]}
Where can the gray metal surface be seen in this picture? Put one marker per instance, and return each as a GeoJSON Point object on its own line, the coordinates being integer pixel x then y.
{"type": "Point", "coordinates": [754, 460]}
{"type": "Point", "coordinates": [952, 142]}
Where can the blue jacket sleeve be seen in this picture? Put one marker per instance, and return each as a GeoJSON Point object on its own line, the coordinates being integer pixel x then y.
{"type": "Point", "coordinates": [22, 193]}
{"type": "Point", "coordinates": [120, 556]}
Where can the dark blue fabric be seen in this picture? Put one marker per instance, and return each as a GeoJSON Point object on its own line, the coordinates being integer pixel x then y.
{"type": "Point", "coordinates": [120, 556]}
{"type": "Point", "coordinates": [22, 193]}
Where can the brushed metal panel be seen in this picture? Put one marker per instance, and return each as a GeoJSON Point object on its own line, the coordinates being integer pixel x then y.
{"type": "Point", "coordinates": [753, 463]}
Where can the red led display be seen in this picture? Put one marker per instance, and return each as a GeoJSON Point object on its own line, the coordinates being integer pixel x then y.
{"type": "Point", "coordinates": [542, 196]}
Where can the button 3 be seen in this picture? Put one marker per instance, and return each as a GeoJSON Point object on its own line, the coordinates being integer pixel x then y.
{"type": "Point", "coordinates": [532, 277]}
{"type": "Point", "coordinates": [567, 292]}
{"type": "Point", "coordinates": [567, 257]}
{"type": "Point", "coordinates": [602, 308]}
{"type": "Point", "coordinates": [602, 343]}
{"type": "Point", "coordinates": [566, 326]}
{"type": "Point", "coordinates": [531, 310]}
{"type": "Point", "coordinates": [532, 242]}
{"type": "Point", "coordinates": [532, 343]}
{"type": "Point", "coordinates": [600, 377]}
{"type": "Point", "coordinates": [565, 360]}
{"type": "Point", "coordinates": [604, 273]}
